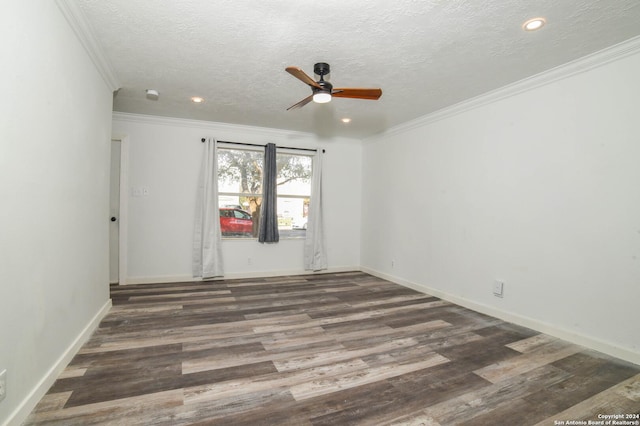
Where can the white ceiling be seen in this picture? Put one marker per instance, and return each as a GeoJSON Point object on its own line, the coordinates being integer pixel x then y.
{"type": "Point", "coordinates": [424, 54]}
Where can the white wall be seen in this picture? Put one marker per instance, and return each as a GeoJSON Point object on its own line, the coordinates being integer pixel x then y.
{"type": "Point", "coordinates": [165, 156]}
{"type": "Point", "coordinates": [54, 154]}
{"type": "Point", "coordinates": [540, 189]}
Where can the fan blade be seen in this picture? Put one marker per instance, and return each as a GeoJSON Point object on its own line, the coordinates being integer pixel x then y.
{"type": "Point", "coordinates": [301, 103]}
{"type": "Point", "coordinates": [357, 93]}
{"type": "Point", "coordinates": [300, 75]}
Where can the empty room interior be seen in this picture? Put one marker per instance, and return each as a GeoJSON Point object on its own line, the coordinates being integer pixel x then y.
{"type": "Point", "coordinates": [320, 213]}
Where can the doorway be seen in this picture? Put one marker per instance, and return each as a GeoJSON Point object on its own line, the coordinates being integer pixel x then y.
{"type": "Point", "coordinates": [117, 211]}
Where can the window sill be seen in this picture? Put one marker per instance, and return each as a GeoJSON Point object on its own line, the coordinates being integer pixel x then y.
{"type": "Point", "coordinates": [255, 239]}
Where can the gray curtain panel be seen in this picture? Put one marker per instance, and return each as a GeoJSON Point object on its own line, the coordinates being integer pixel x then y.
{"type": "Point", "coordinates": [269, 210]}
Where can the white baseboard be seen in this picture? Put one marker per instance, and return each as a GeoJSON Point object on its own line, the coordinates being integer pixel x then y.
{"type": "Point", "coordinates": [236, 275]}
{"type": "Point", "coordinates": [268, 274]}
{"type": "Point", "coordinates": [161, 279]}
{"type": "Point", "coordinates": [23, 410]}
{"type": "Point", "coordinates": [532, 323]}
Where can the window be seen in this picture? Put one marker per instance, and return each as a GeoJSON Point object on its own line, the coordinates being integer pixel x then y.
{"type": "Point", "coordinates": [240, 192]}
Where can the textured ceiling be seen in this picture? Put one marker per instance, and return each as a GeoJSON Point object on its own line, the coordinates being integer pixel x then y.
{"type": "Point", "coordinates": [424, 54]}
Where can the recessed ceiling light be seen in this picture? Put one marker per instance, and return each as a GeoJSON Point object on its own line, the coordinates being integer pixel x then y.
{"type": "Point", "coordinates": [534, 24]}
{"type": "Point", "coordinates": [152, 94]}
{"type": "Point", "coordinates": [346, 120]}
{"type": "Point", "coordinates": [197, 100]}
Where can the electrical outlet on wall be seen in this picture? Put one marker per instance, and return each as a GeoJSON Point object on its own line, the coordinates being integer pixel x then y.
{"type": "Point", "coordinates": [498, 288]}
{"type": "Point", "coordinates": [3, 384]}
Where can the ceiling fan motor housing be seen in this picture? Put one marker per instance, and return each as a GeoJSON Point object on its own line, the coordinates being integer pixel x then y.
{"type": "Point", "coordinates": [325, 87]}
{"type": "Point", "coordinates": [321, 69]}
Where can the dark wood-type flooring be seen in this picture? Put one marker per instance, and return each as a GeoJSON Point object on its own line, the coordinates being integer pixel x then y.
{"type": "Point", "coordinates": [330, 349]}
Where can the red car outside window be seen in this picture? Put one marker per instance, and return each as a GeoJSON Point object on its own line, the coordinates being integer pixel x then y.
{"type": "Point", "coordinates": [235, 222]}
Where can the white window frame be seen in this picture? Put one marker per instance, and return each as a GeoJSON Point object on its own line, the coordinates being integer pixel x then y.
{"type": "Point", "coordinates": [279, 151]}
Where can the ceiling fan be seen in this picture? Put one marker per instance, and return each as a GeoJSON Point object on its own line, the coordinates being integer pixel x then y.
{"type": "Point", "coordinates": [323, 91]}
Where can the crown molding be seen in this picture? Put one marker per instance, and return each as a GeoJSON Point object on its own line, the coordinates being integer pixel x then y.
{"type": "Point", "coordinates": [83, 31]}
{"type": "Point", "coordinates": [578, 66]}
{"type": "Point", "coordinates": [215, 126]}
{"type": "Point", "coordinates": [202, 124]}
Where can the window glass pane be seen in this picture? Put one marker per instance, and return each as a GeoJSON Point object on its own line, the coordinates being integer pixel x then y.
{"type": "Point", "coordinates": [240, 171]}
{"type": "Point", "coordinates": [294, 174]}
{"type": "Point", "coordinates": [239, 188]}
{"type": "Point", "coordinates": [292, 216]}
{"type": "Point", "coordinates": [294, 190]}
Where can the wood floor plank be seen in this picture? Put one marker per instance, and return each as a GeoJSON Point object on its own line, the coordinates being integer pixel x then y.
{"type": "Point", "coordinates": [365, 405]}
{"type": "Point", "coordinates": [323, 349]}
{"type": "Point", "coordinates": [338, 408]}
{"type": "Point", "coordinates": [590, 375]}
{"type": "Point", "coordinates": [347, 380]}
{"type": "Point", "coordinates": [613, 400]}
{"type": "Point", "coordinates": [72, 372]}
{"type": "Point", "coordinates": [248, 408]}
{"type": "Point", "coordinates": [221, 360]}
{"type": "Point", "coordinates": [629, 389]}
{"type": "Point", "coordinates": [417, 419]}
{"type": "Point", "coordinates": [113, 412]}
{"type": "Point", "coordinates": [463, 409]}
{"type": "Point", "coordinates": [516, 366]}
{"type": "Point", "coordinates": [103, 342]}
{"type": "Point", "coordinates": [365, 315]}
{"type": "Point", "coordinates": [444, 382]}
{"type": "Point", "coordinates": [271, 381]}
{"type": "Point", "coordinates": [290, 363]}
{"type": "Point", "coordinates": [52, 401]}
{"type": "Point", "coordinates": [353, 336]}
{"type": "Point", "coordinates": [531, 343]}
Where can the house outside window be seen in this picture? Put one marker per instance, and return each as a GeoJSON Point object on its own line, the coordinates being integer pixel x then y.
{"type": "Point", "coordinates": [240, 192]}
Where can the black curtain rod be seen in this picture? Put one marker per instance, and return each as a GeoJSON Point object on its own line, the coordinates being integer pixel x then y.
{"type": "Point", "coordinates": [255, 144]}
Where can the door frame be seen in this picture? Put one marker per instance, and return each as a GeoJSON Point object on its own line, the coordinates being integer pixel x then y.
{"type": "Point", "coordinates": [123, 213]}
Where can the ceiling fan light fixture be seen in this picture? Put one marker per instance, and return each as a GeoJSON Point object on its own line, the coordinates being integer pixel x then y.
{"type": "Point", "coordinates": [321, 97]}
